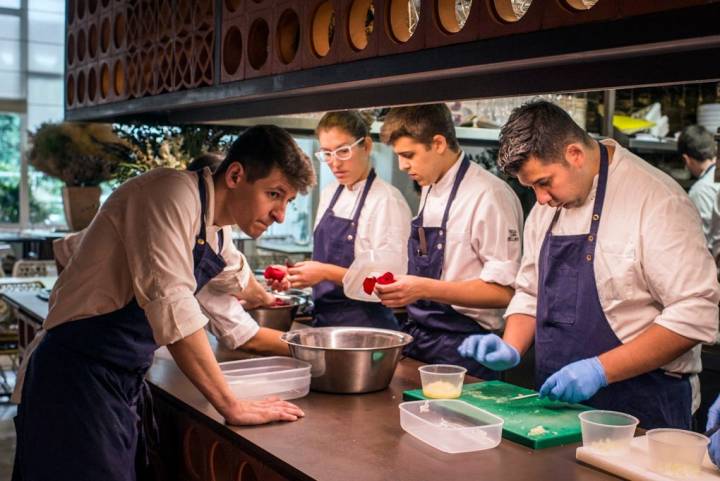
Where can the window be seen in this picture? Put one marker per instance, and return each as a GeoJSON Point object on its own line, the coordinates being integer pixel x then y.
{"type": "Point", "coordinates": [9, 168]}
{"type": "Point", "coordinates": [31, 82]}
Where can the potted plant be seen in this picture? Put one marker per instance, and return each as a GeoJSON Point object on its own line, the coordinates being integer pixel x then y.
{"type": "Point", "coordinates": [82, 155]}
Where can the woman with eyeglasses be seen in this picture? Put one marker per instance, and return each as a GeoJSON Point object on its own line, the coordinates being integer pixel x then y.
{"type": "Point", "coordinates": [358, 212]}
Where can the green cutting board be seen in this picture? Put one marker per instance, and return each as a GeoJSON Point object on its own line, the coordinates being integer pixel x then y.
{"type": "Point", "coordinates": [559, 420]}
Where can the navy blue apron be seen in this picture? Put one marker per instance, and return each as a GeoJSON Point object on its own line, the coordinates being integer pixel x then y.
{"type": "Point", "coordinates": [82, 401]}
{"type": "Point", "coordinates": [334, 243]}
{"type": "Point", "coordinates": [571, 326]}
{"type": "Point", "coordinates": [438, 329]}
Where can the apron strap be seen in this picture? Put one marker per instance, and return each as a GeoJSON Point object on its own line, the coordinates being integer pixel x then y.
{"type": "Point", "coordinates": [464, 165]}
{"type": "Point", "coordinates": [361, 201]}
{"type": "Point", "coordinates": [599, 198]}
{"type": "Point", "coordinates": [459, 176]}
{"type": "Point", "coordinates": [201, 238]}
{"type": "Point", "coordinates": [363, 196]}
{"type": "Point", "coordinates": [335, 197]}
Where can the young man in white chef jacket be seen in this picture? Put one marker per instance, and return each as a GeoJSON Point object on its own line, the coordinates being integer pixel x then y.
{"type": "Point", "coordinates": [617, 288]}
{"type": "Point", "coordinates": [464, 247]}
{"type": "Point", "coordinates": [698, 149]}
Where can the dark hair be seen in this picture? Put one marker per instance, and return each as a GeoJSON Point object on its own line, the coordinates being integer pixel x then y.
{"type": "Point", "coordinates": [262, 148]}
{"type": "Point", "coordinates": [421, 123]}
{"type": "Point", "coordinates": [538, 129]}
{"type": "Point", "coordinates": [353, 122]}
{"type": "Point", "coordinates": [697, 143]}
{"type": "Point", "coordinates": [208, 159]}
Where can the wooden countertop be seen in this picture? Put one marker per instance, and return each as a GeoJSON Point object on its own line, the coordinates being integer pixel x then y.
{"type": "Point", "coordinates": [358, 437]}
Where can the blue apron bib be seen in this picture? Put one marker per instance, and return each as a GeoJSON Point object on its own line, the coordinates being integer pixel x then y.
{"type": "Point", "coordinates": [438, 329]}
{"type": "Point", "coordinates": [84, 393]}
{"type": "Point", "coordinates": [571, 325]}
{"type": "Point", "coordinates": [334, 243]}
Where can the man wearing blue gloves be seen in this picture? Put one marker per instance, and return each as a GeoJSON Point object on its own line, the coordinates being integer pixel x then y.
{"type": "Point", "coordinates": [713, 430]}
{"type": "Point", "coordinates": [616, 287]}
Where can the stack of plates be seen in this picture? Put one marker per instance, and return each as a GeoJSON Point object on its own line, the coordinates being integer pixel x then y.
{"type": "Point", "coordinates": [709, 116]}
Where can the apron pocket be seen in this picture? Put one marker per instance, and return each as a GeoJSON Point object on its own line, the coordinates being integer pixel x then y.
{"type": "Point", "coordinates": [562, 297]}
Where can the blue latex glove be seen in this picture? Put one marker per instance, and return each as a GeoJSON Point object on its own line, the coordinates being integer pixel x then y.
{"type": "Point", "coordinates": [575, 382]}
{"type": "Point", "coordinates": [714, 448]}
{"type": "Point", "coordinates": [490, 351]}
{"type": "Point", "coordinates": [713, 420]}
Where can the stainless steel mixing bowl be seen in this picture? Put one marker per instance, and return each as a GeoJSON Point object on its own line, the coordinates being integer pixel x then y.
{"type": "Point", "coordinates": [278, 317]}
{"type": "Point", "coordinates": [348, 359]}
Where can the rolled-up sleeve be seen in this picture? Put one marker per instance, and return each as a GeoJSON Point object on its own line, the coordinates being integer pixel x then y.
{"type": "Point", "coordinates": [526, 282]}
{"type": "Point", "coordinates": [159, 234]}
{"type": "Point", "coordinates": [679, 269]}
{"type": "Point", "coordinates": [234, 277]}
{"type": "Point", "coordinates": [496, 236]}
{"type": "Point", "coordinates": [229, 322]}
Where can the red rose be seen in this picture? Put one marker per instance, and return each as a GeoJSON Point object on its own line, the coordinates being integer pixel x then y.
{"type": "Point", "coordinates": [386, 278]}
{"type": "Point", "coordinates": [274, 274]}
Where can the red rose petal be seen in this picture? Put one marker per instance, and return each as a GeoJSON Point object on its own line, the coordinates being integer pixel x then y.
{"type": "Point", "coordinates": [274, 274]}
{"type": "Point", "coordinates": [369, 285]}
{"type": "Point", "coordinates": [386, 278]}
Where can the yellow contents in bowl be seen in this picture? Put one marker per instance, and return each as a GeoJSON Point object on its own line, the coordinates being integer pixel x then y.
{"type": "Point", "coordinates": [442, 390]}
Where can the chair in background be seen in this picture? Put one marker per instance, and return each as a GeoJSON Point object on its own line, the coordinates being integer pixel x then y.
{"type": "Point", "coordinates": [32, 268]}
{"type": "Point", "coordinates": [8, 356]}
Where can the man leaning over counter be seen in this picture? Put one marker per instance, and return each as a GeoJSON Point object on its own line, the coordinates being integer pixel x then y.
{"type": "Point", "coordinates": [130, 288]}
{"type": "Point", "coordinates": [224, 300]}
{"type": "Point", "coordinates": [616, 287]}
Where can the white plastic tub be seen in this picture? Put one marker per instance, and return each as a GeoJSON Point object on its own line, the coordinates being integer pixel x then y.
{"type": "Point", "coordinates": [675, 452]}
{"type": "Point", "coordinates": [450, 425]}
{"type": "Point", "coordinates": [607, 432]}
{"type": "Point", "coordinates": [284, 377]}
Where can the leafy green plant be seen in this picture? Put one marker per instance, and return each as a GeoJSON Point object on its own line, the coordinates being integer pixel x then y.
{"type": "Point", "coordinates": [167, 146]}
{"type": "Point", "coordinates": [78, 154]}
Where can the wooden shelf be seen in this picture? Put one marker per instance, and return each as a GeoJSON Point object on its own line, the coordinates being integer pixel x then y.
{"type": "Point", "coordinates": [663, 47]}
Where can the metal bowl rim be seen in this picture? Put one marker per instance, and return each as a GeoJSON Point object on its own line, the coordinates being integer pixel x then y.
{"type": "Point", "coordinates": [406, 339]}
{"type": "Point", "coordinates": [297, 302]}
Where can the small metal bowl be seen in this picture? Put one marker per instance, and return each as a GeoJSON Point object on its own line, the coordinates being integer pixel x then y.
{"type": "Point", "coordinates": [348, 359]}
{"type": "Point", "coordinates": [278, 317]}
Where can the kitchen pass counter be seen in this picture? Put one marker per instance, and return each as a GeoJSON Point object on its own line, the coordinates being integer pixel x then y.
{"type": "Point", "coordinates": [342, 437]}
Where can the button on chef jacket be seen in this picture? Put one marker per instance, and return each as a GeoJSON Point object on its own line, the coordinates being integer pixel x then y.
{"type": "Point", "coordinates": [651, 261]}
{"type": "Point", "coordinates": [384, 222]}
{"type": "Point", "coordinates": [127, 254]}
{"type": "Point", "coordinates": [483, 235]}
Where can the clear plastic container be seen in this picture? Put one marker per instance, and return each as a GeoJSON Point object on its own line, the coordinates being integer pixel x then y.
{"type": "Point", "coordinates": [607, 432]}
{"type": "Point", "coordinates": [676, 453]}
{"type": "Point", "coordinates": [442, 381]}
{"type": "Point", "coordinates": [451, 426]}
{"type": "Point", "coordinates": [284, 377]}
{"type": "Point", "coordinates": [371, 264]}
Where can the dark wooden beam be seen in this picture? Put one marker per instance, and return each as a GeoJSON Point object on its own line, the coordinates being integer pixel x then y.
{"type": "Point", "coordinates": [661, 48]}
